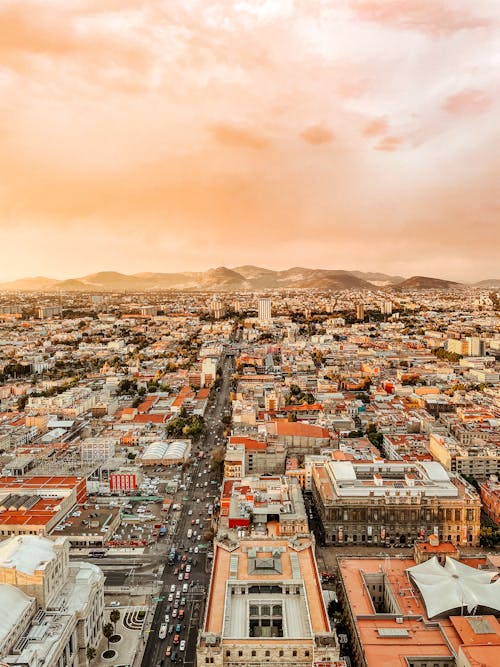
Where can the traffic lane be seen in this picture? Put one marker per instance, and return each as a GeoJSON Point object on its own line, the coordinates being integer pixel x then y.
{"type": "Point", "coordinates": [155, 645]}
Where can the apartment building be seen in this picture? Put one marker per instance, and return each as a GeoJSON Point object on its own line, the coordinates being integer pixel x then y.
{"type": "Point", "coordinates": [264, 505]}
{"type": "Point", "coordinates": [477, 459]}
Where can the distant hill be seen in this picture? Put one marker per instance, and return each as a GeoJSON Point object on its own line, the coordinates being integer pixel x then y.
{"type": "Point", "coordinates": [491, 282]}
{"type": "Point", "coordinates": [423, 282]}
{"type": "Point", "coordinates": [240, 278]}
{"type": "Point", "coordinates": [37, 284]}
{"type": "Point", "coordinates": [378, 278]}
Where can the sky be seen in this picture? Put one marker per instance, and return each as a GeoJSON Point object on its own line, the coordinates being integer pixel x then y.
{"type": "Point", "coordinates": [170, 135]}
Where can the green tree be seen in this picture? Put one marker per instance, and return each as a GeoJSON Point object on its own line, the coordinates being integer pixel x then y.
{"type": "Point", "coordinates": [108, 631]}
{"type": "Point", "coordinates": [91, 653]}
{"type": "Point", "coordinates": [114, 617]}
{"type": "Point", "coordinates": [217, 459]}
{"type": "Point", "coordinates": [21, 402]}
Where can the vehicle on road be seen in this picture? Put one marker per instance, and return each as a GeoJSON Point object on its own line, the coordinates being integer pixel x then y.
{"type": "Point", "coordinates": [167, 618]}
{"type": "Point", "coordinates": [176, 639]}
{"type": "Point", "coordinates": [173, 657]}
{"type": "Point", "coordinates": [163, 631]}
{"type": "Point", "coordinates": [180, 577]}
{"type": "Point", "coordinates": [114, 603]}
{"type": "Point", "coordinates": [189, 534]}
{"type": "Point", "coordinates": [186, 576]}
{"type": "Point", "coordinates": [174, 613]}
{"type": "Point", "coordinates": [182, 645]}
{"type": "Point", "coordinates": [168, 651]}
{"type": "Point", "coordinates": [170, 597]}
{"type": "Point", "coordinates": [172, 588]}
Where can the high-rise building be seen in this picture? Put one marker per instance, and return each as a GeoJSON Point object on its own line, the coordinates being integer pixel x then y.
{"type": "Point", "coordinates": [360, 311]}
{"type": "Point", "coordinates": [216, 309]}
{"type": "Point", "coordinates": [265, 310]}
{"type": "Point", "coordinates": [476, 346]}
{"type": "Point", "coordinates": [386, 308]}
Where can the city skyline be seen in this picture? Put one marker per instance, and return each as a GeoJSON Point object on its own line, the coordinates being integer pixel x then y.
{"type": "Point", "coordinates": [183, 136]}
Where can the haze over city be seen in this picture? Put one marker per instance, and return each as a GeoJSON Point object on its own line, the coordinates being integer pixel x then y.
{"type": "Point", "coordinates": [179, 136]}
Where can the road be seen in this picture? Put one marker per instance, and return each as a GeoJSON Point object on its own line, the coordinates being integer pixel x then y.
{"type": "Point", "coordinates": [194, 508]}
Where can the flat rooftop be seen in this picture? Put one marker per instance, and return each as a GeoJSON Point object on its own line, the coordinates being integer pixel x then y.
{"type": "Point", "coordinates": [266, 568]}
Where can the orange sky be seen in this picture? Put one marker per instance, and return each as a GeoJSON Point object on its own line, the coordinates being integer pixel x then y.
{"type": "Point", "coordinates": [164, 135]}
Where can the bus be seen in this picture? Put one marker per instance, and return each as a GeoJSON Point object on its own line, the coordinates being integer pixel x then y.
{"type": "Point", "coordinates": [98, 553]}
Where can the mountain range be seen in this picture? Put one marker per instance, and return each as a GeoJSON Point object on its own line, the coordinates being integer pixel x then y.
{"type": "Point", "coordinates": [236, 279]}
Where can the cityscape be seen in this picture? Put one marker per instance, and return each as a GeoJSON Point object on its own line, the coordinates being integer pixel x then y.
{"type": "Point", "coordinates": [249, 333]}
{"type": "Point", "coordinates": [231, 477]}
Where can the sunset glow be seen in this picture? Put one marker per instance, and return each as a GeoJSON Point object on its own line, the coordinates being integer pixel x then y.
{"type": "Point", "coordinates": [183, 134]}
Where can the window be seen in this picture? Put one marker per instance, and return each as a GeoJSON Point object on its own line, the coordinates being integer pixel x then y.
{"type": "Point", "coordinates": [306, 653]}
{"type": "Point", "coordinates": [294, 653]}
{"type": "Point", "coordinates": [228, 653]}
{"type": "Point", "coordinates": [267, 654]}
{"type": "Point", "coordinates": [240, 653]}
{"type": "Point", "coordinates": [281, 654]}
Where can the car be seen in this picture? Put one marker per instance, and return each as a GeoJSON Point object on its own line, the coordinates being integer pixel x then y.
{"type": "Point", "coordinates": [174, 613]}
{"type": "Point", "coordinates": [176, 639]}
{"type": "Point", "coordinates": [196, 549]}
{"type": "Point", "coordinates": [189, 512]}
{"type": "Point", "coordinates": [173, 657]}
{"type": "Point", "coordinates": [188, 568]}
{"type": "Point", "coordinates": [167, 618]}
{"type": "Point", "coordinates": [192, 522]}
{"type": "Point", "coordinates": [168, 651]}
{"type": "Point", "coordinates": [170, 597]}
{"type": "Point", "coordinates": [184, 557]}
{"type": "Point", "coordinates": [186, 576]}
{"type": "Point", "coordinates": [176, 571]}
{"type": "Point", "coordinates": [114, 603]}
{"type": "Point", "coordinates": [178, 627]}
{"type": "Point", "coordinates": [182, 645]}
{"type": "Point", "coordinates": [180, 577]}
{"type": "Point", "coordinates": [172, 588]}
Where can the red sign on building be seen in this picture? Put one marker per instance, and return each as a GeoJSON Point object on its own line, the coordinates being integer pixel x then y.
{"type": "Point", "coordinates": [122, 482]}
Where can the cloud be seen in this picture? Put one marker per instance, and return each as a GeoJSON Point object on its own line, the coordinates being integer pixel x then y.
{"type": "Point", "coordinates": [435, 17]}
{"type": "Point", "coordinates": [375, 128]}
{"type": "Point", "coordinates": [184, 130]}
{"type": "Point", "coordinates": [317, 135]}
{"type": "Point", "coordinates": [232, 135]}
{"type": "Point", "coordinates": [389, 143]}
{"type": "Point", "coordinates": [468, 102]}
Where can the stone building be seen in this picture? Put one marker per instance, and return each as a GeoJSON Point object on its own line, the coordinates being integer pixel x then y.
{"type": "Point", "coordinates": [53, 608]}
{"type": "Point", "coordinates": [393, 502]}
{"type": "Point", "coordinates": [265, 607]}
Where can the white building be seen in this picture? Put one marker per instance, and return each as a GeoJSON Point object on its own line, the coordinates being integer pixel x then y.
{"type": "Point", "coordinates": [52, 609]}
{"type": "Point", "coordinates": [265, 310]}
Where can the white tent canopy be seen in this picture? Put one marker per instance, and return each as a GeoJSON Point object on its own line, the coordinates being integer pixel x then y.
{"type": "Point", "coordinates": [455, 586]}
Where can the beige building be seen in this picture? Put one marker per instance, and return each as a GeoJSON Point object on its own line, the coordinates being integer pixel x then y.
{"type": "Point", "coordinates": [265, 607]}
{"type": "Point", "coordinates": [54, 608]}
{"type": "Point", "coordinates": [394, 502]}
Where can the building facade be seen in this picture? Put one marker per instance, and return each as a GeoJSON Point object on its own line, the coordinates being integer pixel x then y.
{"type": "Point", "coordinates": [396, 502]}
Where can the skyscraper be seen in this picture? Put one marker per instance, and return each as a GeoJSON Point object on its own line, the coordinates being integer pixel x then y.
{"type": "Point", "coordinates": [265, 309]}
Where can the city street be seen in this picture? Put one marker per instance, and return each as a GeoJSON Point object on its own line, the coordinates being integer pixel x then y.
{"type": "Point", "coordinates": [195, 499]}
